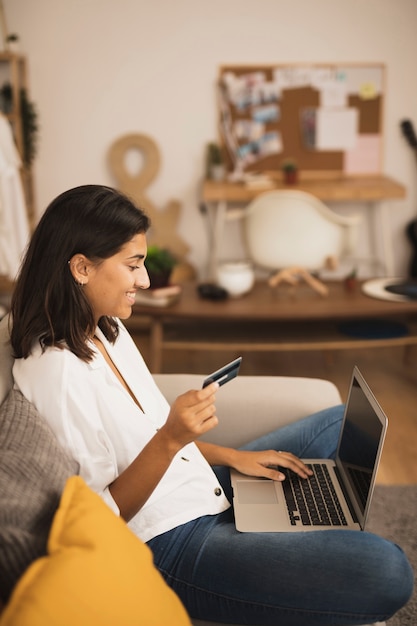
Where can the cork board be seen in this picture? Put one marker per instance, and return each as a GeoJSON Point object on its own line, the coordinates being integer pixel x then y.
{"type": "Point", "coordinates": [328, 118]}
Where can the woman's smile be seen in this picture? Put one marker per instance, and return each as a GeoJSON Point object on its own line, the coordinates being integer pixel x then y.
{"type": "Point", "coordinates": [131, 296]}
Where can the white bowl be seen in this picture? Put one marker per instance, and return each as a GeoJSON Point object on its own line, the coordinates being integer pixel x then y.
{"type": "Point", "coordinates": [237, 277]}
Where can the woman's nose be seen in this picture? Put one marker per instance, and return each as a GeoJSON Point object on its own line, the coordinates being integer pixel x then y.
{"type": "Point", "coordinates": [142, 279]}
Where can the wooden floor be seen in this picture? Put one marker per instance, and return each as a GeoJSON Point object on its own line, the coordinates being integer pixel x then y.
{"type": "Point", "coordinates": [390, 372]}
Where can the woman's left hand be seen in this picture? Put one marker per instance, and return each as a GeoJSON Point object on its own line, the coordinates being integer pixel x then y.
{"type": "Point", "coordinates": [266, 463]}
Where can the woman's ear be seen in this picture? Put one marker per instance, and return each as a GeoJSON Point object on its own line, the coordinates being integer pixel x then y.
{"type": "Point", "coordinates": [79, 267]}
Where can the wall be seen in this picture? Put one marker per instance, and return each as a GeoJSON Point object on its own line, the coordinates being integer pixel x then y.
{"type": "Point", "coordinates": [99, 69]}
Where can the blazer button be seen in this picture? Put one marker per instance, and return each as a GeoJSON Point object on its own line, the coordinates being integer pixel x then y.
{"type": "Point", "coordinates": [217, 491]}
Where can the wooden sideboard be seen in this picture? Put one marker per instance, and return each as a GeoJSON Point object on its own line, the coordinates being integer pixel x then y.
{"type": "Point", "coordinates": [270, 319]}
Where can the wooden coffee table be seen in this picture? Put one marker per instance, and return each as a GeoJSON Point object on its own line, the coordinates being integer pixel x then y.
{"type": "Point", "coordinates": [266, 319]}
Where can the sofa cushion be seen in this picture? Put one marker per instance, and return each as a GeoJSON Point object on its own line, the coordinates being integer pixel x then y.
{"type": "Point", "coordinates": [96, 572]}
{"type": "Point", "coordinates": [33, 471]}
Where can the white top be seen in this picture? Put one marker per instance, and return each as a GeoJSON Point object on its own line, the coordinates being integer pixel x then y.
{"type": "Point", "coordinates": [97, 421]}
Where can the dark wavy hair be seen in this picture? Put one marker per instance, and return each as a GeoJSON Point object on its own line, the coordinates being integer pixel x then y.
{"type": "Point", "coordinates": [47, 304]}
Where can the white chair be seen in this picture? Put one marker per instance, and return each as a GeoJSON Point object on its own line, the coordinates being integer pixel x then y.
{"type": "Point", "coordinates": [290, 228]}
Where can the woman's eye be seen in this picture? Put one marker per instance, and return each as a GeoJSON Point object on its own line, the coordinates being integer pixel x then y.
{"type": "Point", "coordinates": [134, 267]}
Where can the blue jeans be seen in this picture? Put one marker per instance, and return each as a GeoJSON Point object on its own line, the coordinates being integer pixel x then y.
{"type": "Point", "coordinates": [300, 579]}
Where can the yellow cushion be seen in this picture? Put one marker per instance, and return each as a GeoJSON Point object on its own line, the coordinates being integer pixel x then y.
{"type": "Point", "coordinates": [97, 573]}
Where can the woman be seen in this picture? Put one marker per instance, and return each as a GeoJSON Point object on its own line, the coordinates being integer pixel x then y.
{"type": "Point", "coordinates": [78, 365]}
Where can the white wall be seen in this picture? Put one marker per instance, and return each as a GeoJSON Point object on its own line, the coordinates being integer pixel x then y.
{"type": "Point", "coordinates": [101, 68]}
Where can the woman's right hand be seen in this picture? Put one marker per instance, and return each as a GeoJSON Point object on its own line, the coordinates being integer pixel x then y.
{"type": "Point", "coordinates": [192, 414]}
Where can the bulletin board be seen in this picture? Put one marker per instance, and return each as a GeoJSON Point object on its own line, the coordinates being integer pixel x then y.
{"type": "Point", "coordinates": [327, 117]}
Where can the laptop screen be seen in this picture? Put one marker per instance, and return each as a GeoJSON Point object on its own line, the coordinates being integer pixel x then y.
{"type": "Point", "coordinates": [361, 443]}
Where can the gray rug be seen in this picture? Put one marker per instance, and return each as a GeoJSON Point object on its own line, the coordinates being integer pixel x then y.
{"type": "Point", "coordinates": [401, 528]}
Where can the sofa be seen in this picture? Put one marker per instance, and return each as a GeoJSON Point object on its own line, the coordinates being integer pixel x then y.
{"type": "Point", "coordinates": [56, 560]}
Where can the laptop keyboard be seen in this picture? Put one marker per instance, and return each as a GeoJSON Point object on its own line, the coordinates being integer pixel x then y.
{"type": "Point", "coordinates": [312, 501]}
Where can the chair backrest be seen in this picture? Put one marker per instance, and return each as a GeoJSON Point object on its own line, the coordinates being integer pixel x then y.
{"type": "Point", "coordinates": [294, 228]}
{"type": "Point", "coordinates": [6, 359]}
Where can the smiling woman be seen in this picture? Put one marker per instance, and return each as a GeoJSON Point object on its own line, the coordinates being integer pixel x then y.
{"type": "Point", "coordinates": [80, 368]}
{"type": "Point", "coordinates": [83, 266]}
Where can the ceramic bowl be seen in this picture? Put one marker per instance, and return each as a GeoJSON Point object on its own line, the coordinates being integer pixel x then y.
{"type": "Point", "coordinates": [237, 277]}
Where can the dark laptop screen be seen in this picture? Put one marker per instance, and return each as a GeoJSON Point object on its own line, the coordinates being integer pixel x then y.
{"type": "Point", "coordinates": [360, 441]}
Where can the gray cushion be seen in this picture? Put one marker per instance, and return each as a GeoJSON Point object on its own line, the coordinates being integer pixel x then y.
{"type": "Point", "coordinates": [33, 471]}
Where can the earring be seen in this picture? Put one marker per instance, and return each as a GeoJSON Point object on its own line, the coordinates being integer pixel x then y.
{"type": "Point", "coordinates": [80, 282]}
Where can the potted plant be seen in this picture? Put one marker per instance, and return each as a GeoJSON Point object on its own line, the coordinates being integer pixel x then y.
{"type": "Point", "coordinates": [351, 280]}
{"type": "Point", "coordinates": [215, 162]}
{"type": "Point", "coordinates": [29, 117]}
{"type": "Point", "coordinates": [159, 264]}
{"type": "Point", "coordinates": [12, 42]}
{"type": "Point", "coordinates": [290, 171]}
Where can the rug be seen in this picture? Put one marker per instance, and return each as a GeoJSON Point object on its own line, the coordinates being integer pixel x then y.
{"type": "Point", "coordinates": [401, 528]}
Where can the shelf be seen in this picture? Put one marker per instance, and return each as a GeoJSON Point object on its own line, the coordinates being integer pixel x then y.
{"type": "Point", "coordinates": [271, 337]}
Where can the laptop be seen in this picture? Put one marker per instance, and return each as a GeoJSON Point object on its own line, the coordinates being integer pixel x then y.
{"type": "Point", "coordinates": [340, 493]}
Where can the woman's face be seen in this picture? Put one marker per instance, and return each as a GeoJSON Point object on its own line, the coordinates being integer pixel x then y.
{"type": "Point", "coordinates": [112, 284]}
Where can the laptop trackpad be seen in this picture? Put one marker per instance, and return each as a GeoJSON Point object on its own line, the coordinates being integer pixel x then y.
{"type": "Point", "coordinates": [256, 492]}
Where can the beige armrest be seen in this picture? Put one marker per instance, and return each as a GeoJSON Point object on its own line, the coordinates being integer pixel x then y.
{"type": "Point", "coordinates": [250, 406]}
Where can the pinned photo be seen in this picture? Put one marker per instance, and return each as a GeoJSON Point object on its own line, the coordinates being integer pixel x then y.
{"type": "Point", "coordinates": [267, 113]}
